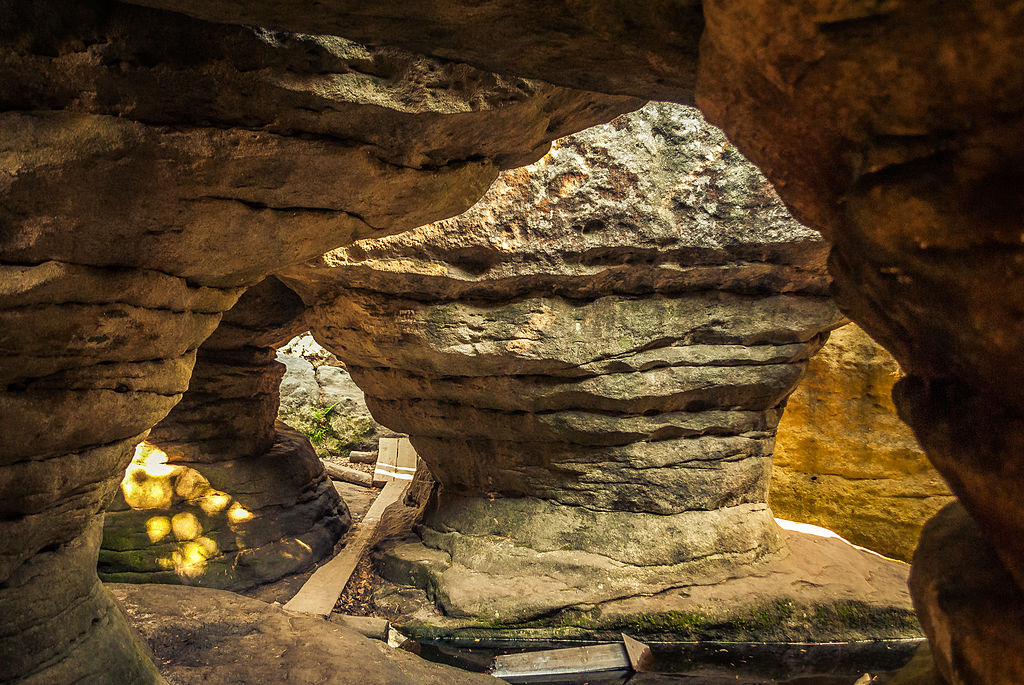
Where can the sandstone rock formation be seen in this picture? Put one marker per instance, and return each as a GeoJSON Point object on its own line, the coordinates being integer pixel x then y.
{"type": "Point", "coordinates": [969, 605]}
{"type": "Point", "coordinates": [648, 50]}
{"type": "Point", "coordinates": [893, 127]}
{"type": "Point", "coordinates": [592, 361]}
{"type": "Point", "coordinates": [844, 460]}
{"type": "Point", "coordinates": [219, 495]}
{"type": "Point", "coordinates": [153, 166]}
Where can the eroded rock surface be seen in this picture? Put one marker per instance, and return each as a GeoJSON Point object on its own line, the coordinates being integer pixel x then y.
{"type": "Point", "coordinates": [153, 166]}
{"type": "Point", "coordinates": [592, 361]}
{"type": "Point", "coordinates": [591, 45]}
{"type": "Point", "coordinates": [844, 460]}
{"type": "Point", "coordinates": [220, 494]}
{"type": "Point", "coordinates": [970, 607]}
{"type": "Point", "coordinates": [895, 128]}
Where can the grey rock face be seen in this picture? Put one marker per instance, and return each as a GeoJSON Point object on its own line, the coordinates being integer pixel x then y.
{"type": "Point", "coordinates": [592, 360]}
{"type": "Point", "coordinates": [298, 388]}
{"type": "Point", "coordinates": [316, 383]}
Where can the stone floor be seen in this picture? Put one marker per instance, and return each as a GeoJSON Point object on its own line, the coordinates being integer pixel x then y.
{"type": "Point", "coordinates": [199, 635]}
{"type": "Point", "coordinates": [822, 589]}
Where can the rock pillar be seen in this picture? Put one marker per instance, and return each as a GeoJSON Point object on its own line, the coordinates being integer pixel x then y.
{"type": "Point", "coordinates": [593, 361]}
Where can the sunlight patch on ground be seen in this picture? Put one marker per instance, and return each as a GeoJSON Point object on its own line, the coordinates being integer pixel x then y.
{"type": "Point", "coordinates": [818, 531]}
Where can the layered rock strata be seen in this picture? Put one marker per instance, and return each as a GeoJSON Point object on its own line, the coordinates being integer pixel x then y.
{"type": "Point", "coordinates": [221, 495]}
{"type": "Point", "coordinates": [592, 361]}
{"type": "Point", "coordinates": [844, 460]}
{"type": "Point", "coordinates": [153, 167]}
{"type": "Point", "coordinates": [894, 128]}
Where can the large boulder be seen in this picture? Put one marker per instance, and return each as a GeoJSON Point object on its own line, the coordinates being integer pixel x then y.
{"type": "Point", "coordinates": [844, 460]}
{"type": "Point", "coordinates": [592, 361]}
{"type": "Point", "coordinates": [319, 397]}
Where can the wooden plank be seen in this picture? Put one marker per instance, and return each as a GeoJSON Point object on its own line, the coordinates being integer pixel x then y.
{"type": "Point", "coordinates": [589, 659]}
{"type": "Point", "coordinates": [641, 658]}
{"type": "Point", "coordinates": [387, 460]}
{"type": "Point", "coordinates": [397, 460]}
{"type": "Point", "coordinates": [320, 593]}
{"type": "Point", "coordinates": [405, 465]}
{"type": "Point", "coordinates": [348, 475]}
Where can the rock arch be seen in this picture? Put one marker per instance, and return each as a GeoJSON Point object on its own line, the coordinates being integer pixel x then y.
{"type": "Point", "coordinates": [894, 128]}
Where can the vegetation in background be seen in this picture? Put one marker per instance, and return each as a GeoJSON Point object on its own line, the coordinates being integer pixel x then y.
{"type": "Point", "coordinates": [331, 433]}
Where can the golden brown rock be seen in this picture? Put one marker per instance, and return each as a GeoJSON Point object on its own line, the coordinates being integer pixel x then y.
{"type": "Point", "coordinates": [843, 459]}
{"type": "Point", "coordinates": [211, 636]}
{"type": "Point", "coordinates": [648, 49]}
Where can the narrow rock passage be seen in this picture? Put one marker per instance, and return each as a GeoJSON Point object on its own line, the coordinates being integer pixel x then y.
{"type": "Point", "coordinates": [153, 167]}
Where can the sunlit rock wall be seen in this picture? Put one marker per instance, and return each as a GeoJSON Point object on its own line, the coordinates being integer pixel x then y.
{"type": "Point", "coordinates": [592, 360]}
{"type": "Point", "coordinates": [844, 460]}
{"type": "Point", "coordinates": [319, 398]}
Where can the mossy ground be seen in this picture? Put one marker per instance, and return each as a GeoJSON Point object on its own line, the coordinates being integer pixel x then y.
{"type": "Point", "coordinates": [776, 621]}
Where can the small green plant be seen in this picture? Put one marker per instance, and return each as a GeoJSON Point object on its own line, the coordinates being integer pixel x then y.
{"type": "Point", "coordinates": [322, 428]}
{"type": "Point", "coordinates": [331, 432]}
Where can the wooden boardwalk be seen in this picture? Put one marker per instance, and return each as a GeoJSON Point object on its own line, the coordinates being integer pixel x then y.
{"type": "Point", "coordinates": [320, 593]}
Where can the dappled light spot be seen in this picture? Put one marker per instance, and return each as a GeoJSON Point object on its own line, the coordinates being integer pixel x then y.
{"type": "Point", "coordinates": [153, 481]}
{"type": "Point", "coordinates": [186, 526]}
{"type": "Point", "coordinates": [238, 514]}
{"type": "Point", "coordinates": [214, 502]}
{"type": "Point", "coordinates": [147, 483]}
{"type": "Point", "coordinates": [157, 528]}
{"type": "Point", "coordinates": [190, 559]}
{"type": "Point", "coordinates": [293, 548]}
